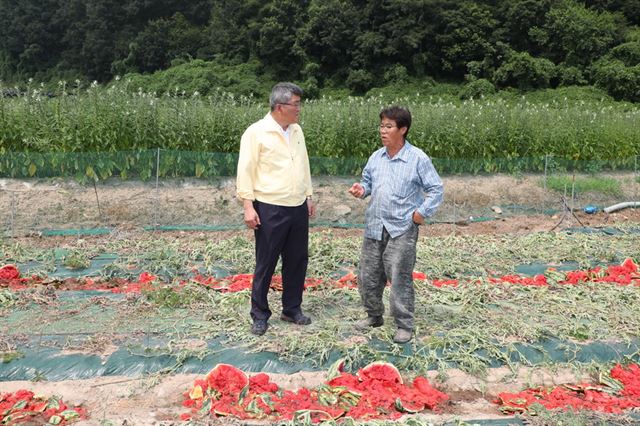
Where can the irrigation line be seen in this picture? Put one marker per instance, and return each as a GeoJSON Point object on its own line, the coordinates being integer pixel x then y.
{"type": "Point", "coordinates": [118, 382]}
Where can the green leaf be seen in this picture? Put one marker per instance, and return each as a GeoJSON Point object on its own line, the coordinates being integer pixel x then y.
{"type": "Point", "coordinates": [91, 173]}
{"type": "Point", "coordinates": [32, 169]}
{"type": "Point", "coordinates": [199, 169]}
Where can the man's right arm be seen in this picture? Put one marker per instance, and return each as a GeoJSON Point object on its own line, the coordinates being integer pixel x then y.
{"type": "Point", "coordinates": [245, 178]}
{"type": "Point", "coordinates": [251, 218]}
{"type": "Point", "coordinates": [247, 167]}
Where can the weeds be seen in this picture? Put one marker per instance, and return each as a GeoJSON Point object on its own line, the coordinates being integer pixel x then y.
{"type": "Point", "coordinates": [76, 259]}
{"type": "Point", "coordinates": [602, 185]}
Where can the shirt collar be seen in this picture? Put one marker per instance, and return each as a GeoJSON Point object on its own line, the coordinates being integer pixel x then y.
{"type": "Point", "coordinates": [402, 155]}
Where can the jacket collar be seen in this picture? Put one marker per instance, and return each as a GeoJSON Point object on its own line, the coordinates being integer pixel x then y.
{"type": "Point", "coordinates": [273, 126]}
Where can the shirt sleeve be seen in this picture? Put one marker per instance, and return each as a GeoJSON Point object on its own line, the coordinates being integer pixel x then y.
{"type": "Point", "coordinates": [307, 173]}
{"type": "Point", "coordinates": [431, 185]}
{"type": "Point", "coordinates": [247, 163]}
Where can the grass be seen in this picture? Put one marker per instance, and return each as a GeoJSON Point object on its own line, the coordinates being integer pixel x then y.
{"type": "Point", "coordinates": [581, 185]}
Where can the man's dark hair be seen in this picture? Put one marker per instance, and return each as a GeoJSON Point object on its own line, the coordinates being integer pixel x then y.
{"type": "Point", "coordinates": [400, 115]}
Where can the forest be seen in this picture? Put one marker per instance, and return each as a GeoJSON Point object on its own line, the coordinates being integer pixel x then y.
{"type": "Point", "coordinates": [354, 45]}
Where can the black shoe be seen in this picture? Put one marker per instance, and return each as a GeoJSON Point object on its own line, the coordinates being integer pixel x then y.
{"type": "Point", "coordinates": [259, 327]}
{"type": "Point", "coordinates": [300, 319]}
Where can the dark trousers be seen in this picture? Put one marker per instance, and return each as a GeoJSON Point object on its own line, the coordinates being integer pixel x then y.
{"type": "Point", "coordinates": [283, 231]}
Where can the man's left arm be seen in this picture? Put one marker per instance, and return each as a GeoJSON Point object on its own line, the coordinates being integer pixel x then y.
{"type": "Point", "coordinates": [432, 186]}
{"type": "Point", "coordinates": [307, 182]}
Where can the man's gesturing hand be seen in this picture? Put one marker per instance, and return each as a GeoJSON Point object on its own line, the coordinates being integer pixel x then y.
{"type": "Point", "coordinates": [356, 190]}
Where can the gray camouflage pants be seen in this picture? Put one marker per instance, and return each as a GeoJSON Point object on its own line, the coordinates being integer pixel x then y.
{"type": "Point", "coordinates": [391, 259]}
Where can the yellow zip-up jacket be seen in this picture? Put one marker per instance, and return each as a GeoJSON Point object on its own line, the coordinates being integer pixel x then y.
{"type": "Point", "coordinates": [271, 170]}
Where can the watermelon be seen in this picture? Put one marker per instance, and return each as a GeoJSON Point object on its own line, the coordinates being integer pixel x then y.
{"type": "Point", "coordinates": [405, 405]}
{"type": "Point", "coordinates": [380, 371]}
{"type": "Point", "coordinates": [227, 379]}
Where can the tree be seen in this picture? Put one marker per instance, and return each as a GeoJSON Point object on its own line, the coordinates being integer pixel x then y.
{"type": "Point", "coordinates": [328, 37]}
{"type": "Point", "coordinates": [620, 81]}
{"type": "Point", "coordinates": [628, 53]}
{"type": "Point", "coordinates": [630, 8]}
{"type": "Point", "coordinates": [518, 17]}
{"type": "Point", "coordinates": [149, 51]}
{"type": "Point", "coordinates": [232, 29]}
{"type": "Point", "coordinates": [575, 35]}
{"type": "Point", "coordinates": [277, 31]}
{"type": "Point", "coordinates": [523, 71]}
{"type": "Point", "coordinates": [162, 41]}
{"type": "Point", "coordinates": [467, 35]}
{"type": "Point", "coordinates": [28, 35]}
{"type": "Point", "coordinates": [99, 47]}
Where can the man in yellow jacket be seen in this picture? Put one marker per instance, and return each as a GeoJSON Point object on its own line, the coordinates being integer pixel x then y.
{"type": "Point", "coordinates": [274, 184]}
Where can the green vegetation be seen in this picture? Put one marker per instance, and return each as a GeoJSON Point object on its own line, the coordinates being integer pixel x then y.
{"type": "Point", "coordinates": [602, 185]}
{"type": "Point", "coordinates": [76, 259]}
{"type": "Point", "coordinates": [6, 357]}
{"type": "Point", "coordinates": [173, 298]}
{"type": "Point", "coordinates": [472, 325]}
{"type": "Point", "coordinates": [112, 131]}
{"type": "Point", "coordinates": [7, 299]}
{"type": "Point", "coordinates": [339, 45]}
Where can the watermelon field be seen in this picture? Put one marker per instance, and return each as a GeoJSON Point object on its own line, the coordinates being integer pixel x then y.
{"type": "Point", "coordinates": [526, 313]}
{"type": "Point", "coordinates": [125, 268]}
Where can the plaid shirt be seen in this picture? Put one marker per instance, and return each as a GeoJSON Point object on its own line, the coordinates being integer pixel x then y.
{"type": "Point", "coordinates": [397, 187]}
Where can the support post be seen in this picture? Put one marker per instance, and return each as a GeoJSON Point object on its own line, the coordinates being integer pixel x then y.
{"type": "Point", "coordinates": [157, 203]}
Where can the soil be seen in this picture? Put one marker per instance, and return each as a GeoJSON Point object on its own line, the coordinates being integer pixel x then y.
{"type": "Point", "coordinates": [151, 401]}
{"type": "Point", "coordinates": [472, 204]}
{"type": "Point", "coordinates": [27, 207]}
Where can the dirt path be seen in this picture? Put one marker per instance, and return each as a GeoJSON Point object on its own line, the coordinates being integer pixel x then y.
{"type": "Point", "coordinates": [509, 203]}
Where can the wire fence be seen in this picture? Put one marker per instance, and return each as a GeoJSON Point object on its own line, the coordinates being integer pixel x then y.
{"type": "Point", "coordinates": [181, 190]}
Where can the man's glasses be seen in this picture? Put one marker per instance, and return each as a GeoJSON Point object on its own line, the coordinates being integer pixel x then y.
{"type": "Point", "coordinates": [387, 126]}
{"type": "Point", "coordinates": [296, 105]}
